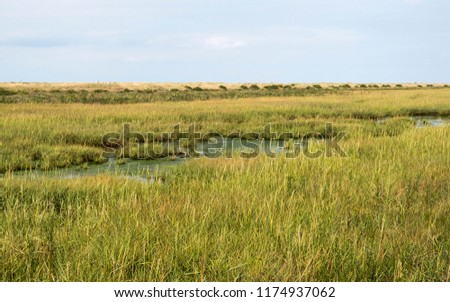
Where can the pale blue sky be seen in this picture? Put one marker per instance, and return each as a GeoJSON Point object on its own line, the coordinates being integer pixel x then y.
{"type": "Point", "coordinates": [225, 41]}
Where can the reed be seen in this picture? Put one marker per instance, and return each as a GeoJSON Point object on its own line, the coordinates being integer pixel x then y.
{"type": "Point", "coordinates": [379, 214]}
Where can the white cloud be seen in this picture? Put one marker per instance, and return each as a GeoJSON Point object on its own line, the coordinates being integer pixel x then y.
{"type": "Point", "coordinates": [412, 1]}
{"type": "Point", "coordinates": [301, 35]}
{"type": "Point", "coordinates": [223, 42]}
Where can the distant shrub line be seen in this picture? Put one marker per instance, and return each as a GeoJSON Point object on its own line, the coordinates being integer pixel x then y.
{"type": "Point", "coordinates": [187, 93]}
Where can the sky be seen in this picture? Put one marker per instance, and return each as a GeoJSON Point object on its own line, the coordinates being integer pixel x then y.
{"type": "Point", "coordinates": [283, 41]}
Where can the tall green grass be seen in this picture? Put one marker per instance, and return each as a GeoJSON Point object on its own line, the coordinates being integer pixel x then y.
{"type": "Point", "coordinates": [379, 214]}
{"type": "Point", "coordinates": [72, 133]}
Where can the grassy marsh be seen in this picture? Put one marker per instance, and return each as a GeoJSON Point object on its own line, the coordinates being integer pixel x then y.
{"type": "Point", "coordinates": [379, 214]}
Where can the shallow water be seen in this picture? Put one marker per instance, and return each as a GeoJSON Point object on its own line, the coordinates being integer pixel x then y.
{"type": "Point", "coordinates": [142, 170]}
{"type": "Point", "coordinates": [147, 170]}
{"type": "Point", "coordinates": [233, 145]}
{"type": "Point", "coordinates": [430, 121]}
{"type": "Point", "coordinates": [424, 121]}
